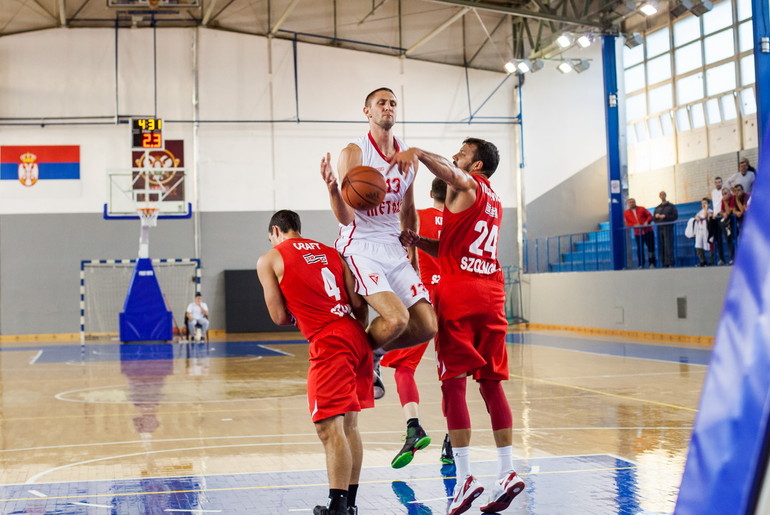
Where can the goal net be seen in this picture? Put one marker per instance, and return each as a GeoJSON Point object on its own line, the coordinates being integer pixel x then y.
{"type": "Point", "coordinates": [104, 284]}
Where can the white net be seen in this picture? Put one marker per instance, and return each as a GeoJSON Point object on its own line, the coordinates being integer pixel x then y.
{"type": "Point", "coordinates": [105, 284]}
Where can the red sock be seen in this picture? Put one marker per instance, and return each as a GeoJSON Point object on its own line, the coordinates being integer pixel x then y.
{"type": "Point", "coordinates": [405, 385]}
{"type": "Point", "coordinates": [454, 404]}
{"type": "Point", "coordinates": [497, 404]}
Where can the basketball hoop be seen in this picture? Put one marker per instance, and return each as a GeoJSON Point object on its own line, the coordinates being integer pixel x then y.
{"type": "Point", "coordinates": [148, 216]}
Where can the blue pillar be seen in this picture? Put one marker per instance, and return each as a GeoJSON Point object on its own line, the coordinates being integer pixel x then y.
{"type": "Point", "coordinates": [761, 20]}
{"type": "Point", "coordinates": [612, 116]}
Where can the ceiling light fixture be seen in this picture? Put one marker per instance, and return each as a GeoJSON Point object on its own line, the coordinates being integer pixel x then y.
{"type": "Point", "coordinates": [585, 40]}
{"type": "Point", "coordinates": [564, 40]}
{"type": "Point", "coordinates": [648, 8]}
{"type": "Point", "coordinates": [580, 65]}
{"type": "Point", "coordinates": [565, 67]}
{"type": "Point", "coordinates": [633, 40]}
{"type": "Point", "coordinates": [510, 66]}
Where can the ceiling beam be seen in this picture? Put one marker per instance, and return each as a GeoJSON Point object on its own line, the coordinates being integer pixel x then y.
{"type": "Point", "coordinates": [283, 17]}
{"type": "Point", "coordinates": [207, 13]}
{"type": "Point", "coordinates": [459, 14]}
{"type": "Point", "coordinates": [520, 12]}
{"type": "Point", "coordinates": [62, 13]}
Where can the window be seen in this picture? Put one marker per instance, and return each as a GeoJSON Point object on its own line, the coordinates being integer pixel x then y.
{"type": "Point", "coordinates": [697, 116]}
{"type": "Point", "coordinates": [683, 119]}
{"type": "Point", "coordinates": [657, 42]}
{"type": "Point", "coordinates": [636, 107]}
{"type": "Point", "coordinates": [719, 46]}
{"type": "Point", "coordinates": [659, 69]}
{"type": "Point", "coordinates": [748, 102]}
{"type": "Point", "coordinates": [720, 78]}
{"type": "Point", "coordinates": [632, 56]}
{"type": "Point", "coordinates": [744, 9]}
{"type": "Point", "coordinates": [634, 78]}
{"type": "Point", "coordinates": [719, 17]}
{"type": "Point", "coordinates": [686, 30]}
{"type": "Point", "coordinates": [727, 102]}
{"type": "Point", "coordinates": [660, 98]}
{"type": "Point", "coordinates": [689, 89]}
{"type": "Point", "coordinates": [641, 131]}
{"type": "Point", "coordinates": [747, 70]}
{"type": "Point", "coordinates": [746, 36]}
{"type": "Point", "coordinates": [666, 124]}
{"type": "Point", "coordinates": [712, 111]}
{"type": "Point", "coordinates": [654, 126]}
{"type": "Point", "coordinates": [688, 58]}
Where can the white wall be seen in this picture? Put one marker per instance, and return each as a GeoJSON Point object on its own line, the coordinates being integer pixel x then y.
{"type": "Point", "coordinates": [563, 122]}
{"type": "Point", "coordinates": [240, 166]}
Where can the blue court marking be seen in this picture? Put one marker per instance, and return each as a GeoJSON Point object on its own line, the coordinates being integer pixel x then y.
{"type": "Point", "coordinates": [622, 349]}
{"type": "Point", "coordinates": [133, 352]}
{"type": "Point", "coordinates": [574, 485]}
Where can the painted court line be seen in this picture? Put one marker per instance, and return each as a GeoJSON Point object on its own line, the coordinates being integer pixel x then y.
{"type": "Point", "coordinates": [36, 493]}
{"type": "Point", "coordinates": [36, 357]}
{"type": "Point", "coordinates": [93, 505]}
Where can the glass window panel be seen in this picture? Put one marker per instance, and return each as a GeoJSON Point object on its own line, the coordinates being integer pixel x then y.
{"type": "Point", "coordinates": [636, 107]}
{"type": "Point", "coordinates": [719, 46]}
{"type": "Point", "coordinates": [631, 134]}
{"type": "Point", "coordinates": [689, 89]}
{"type": "Point", "coordinates": [657, 42]}
{"type": "Point", "coordinates": [666, 124]}
{"type": "Point", "coordinates": [641, 131]}
{"type": "Point", "coordinates": [654, 126]}
{"type": "Point", "coordinates": [746, 36]}
{"type": "Point", "coordinates": [697, 116]}
{"type": "Point", "coordinates": [683, 119]}
{"type": "Point", "coordinates": [686, 30]}
{"type": "Point", "coordinates": [729, 112]}
{"type": "Point", "coordinates": [748, 102]}
{"type": "Point", "coordinates": [747, 70]}
{"type": "Point", "coordinates": [632, 56]}
{"type": "Point", "coordinates": [712, 111]}
{"type": "Point", "coordinates": [720, 78]}
{"type": "Point", "coordinates": [744, 9]}
{"type": "Point", "coordinates": [634, 78]}
{"type": "Point", "coordinates": [659, 69]}
{"type": "Point", "coordinates": [688, 58]}
{"type": "Point", "coordinates": [660, 98]}
{"type": "Point", "coordinates": [719, 17]}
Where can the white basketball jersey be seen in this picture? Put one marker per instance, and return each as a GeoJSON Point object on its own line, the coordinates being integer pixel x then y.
{"type": "Point", "coordinates": [379, 224]}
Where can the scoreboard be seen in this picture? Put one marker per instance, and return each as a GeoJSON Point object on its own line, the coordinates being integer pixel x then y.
{"type": "Point", "coordinates": [146, 134]}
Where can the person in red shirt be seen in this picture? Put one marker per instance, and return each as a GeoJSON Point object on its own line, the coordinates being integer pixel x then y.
{"type": "Point", "coordinates": [307, 283]}
{"type": "Point", "coordinates": [405, 361]}
{"type": "Point", "coordinates": [639, 216]}
{"type": "Point", "coordinates": [470, 305]}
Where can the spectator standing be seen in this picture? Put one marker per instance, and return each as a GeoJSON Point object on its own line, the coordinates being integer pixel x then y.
{"type": "Point", "coordinates": [744, 176]}
{"type": "Point", "coordinates": [715, 228]}
{"type": "Point", "coordinates": [636, 216]}
{"type": "Point", "coordinates": [727, 223]}
{"type": "Point", "coordinates": [665, 213]}
{"type": "Point", "coordinates": [702, 231]}
{"type": "Point", "coordinates": [741, 205]}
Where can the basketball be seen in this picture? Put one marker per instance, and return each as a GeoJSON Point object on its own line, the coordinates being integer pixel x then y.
{"type": "Point", "coordinates": [363, 188]}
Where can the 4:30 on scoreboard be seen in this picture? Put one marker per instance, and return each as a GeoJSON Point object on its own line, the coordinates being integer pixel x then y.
{"type": "Point", "coordinates": [146, 134]}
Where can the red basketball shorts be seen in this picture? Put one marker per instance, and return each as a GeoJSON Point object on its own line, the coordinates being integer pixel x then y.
{"type": "Point", "coordinates": [471, 328]}
{"type": "Point", "coordinates": [340, 375]}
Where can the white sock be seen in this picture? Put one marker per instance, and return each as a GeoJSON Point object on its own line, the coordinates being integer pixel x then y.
{"type": "Point", "coordinates": [504, 460]}
{"type": "Point", "coordinates": [462, 463]}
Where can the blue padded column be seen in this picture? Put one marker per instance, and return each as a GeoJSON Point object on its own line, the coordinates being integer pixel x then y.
{"type": "Point", "coordinates": [761, 23]}
{"type": "Point", "coordinates": [612, 116]}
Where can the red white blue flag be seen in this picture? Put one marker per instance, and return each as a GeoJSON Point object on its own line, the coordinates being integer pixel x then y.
{"type": "Point", "coordinates": [29, 164]}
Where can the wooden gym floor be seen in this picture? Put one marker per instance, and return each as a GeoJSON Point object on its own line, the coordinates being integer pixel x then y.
{"type": "Point", "coordinates": [601, 426]}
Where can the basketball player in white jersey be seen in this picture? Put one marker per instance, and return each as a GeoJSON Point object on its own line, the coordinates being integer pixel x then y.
{"type": "Point", "coordinates": [368, 239]}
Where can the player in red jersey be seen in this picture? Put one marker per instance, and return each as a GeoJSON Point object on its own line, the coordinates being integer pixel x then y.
{"type": "Point", "coordinates": [307, 283]}
{"type": "Point", "coordinates": [405, 361]}
{"type": "Point", "coordinates": [470, 304]}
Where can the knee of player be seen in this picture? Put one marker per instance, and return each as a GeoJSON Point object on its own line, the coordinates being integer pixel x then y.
{"type": "Point", "coordinates": [395, 323]}
{"type": "Point", "coordinates": [327, 428]}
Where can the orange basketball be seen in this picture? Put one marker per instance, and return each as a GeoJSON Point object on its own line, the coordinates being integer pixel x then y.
{"type": "Point", "coordinates": [363, 188]}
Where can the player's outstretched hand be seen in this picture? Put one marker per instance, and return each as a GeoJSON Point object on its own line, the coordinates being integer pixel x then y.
{"type": "Point", "coordinates": [405, 161]}
{"type": "Point", "coordinates": [327, 172]}
{"type": "Point", "coordinates": [409, 238]}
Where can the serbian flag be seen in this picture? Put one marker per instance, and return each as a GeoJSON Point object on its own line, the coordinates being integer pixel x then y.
{"type": "Point", "coordinates": [29, 164]}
